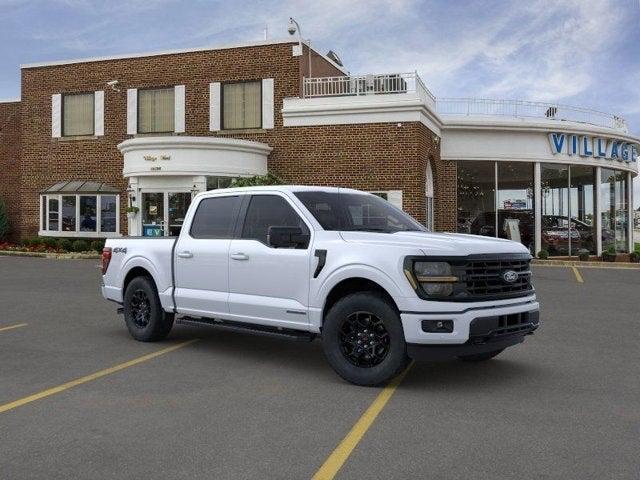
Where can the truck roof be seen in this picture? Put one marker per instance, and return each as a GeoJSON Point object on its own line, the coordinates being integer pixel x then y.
{"type": "Point", "coordinates": [281, 188]}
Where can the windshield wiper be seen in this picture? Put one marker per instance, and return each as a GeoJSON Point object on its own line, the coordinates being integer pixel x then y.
{"type": "Point", "coordinates": [369, 229]}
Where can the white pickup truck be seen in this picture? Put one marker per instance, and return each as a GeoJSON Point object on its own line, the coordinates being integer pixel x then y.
{"type": "Point", "coordinates": [345, 265]}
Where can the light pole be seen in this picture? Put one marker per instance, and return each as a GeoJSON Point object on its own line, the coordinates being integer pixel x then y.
{"type": "Point", "coordinates": [292, 29]}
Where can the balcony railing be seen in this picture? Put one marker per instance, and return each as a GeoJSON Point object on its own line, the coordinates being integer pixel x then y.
{"type": "Point", "coordinates": [526, 109]}
{"type": "Point", "coordinates": [356, 85]}
{"type": "Point", "coordinates": [401, 83]}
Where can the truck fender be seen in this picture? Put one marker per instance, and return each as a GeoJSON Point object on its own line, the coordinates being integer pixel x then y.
{"type": "Point", "coordinates": [164, 289]}
{"type": "Point", "coordinates": [346, 272]}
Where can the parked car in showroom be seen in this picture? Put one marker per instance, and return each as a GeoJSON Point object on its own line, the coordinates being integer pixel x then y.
{"type": "Point", "coordinates": [339, 264]}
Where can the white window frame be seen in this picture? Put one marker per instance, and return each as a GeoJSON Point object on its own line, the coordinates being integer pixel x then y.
{"type": "Point", "coordinates": [394, 197]}
{"type": "Point", "coordinates": [429, 199]}
{"type": "Point", "coordinates": [44, 216]}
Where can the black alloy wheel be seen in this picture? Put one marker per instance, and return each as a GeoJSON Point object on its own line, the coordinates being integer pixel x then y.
{"type": "Point", "coordinates": [364, 340]}
{"type": "Point", "coordinates": [140, 309]}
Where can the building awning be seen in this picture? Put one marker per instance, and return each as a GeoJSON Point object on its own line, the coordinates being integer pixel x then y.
{"type": "Point", "coordinates": [81, 186]}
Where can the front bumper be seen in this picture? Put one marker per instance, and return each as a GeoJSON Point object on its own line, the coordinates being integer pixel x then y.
{"type": "Point", "coordinates": [462, 321]}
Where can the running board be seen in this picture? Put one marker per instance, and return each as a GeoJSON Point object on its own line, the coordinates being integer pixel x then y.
{"type": "Point", "coordinates": [290, 334]}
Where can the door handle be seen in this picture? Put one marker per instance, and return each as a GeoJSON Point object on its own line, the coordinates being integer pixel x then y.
{"type": "Point", "coordinates": [185, 254]}
{"type": "Point", "coordinates": [239, 256]}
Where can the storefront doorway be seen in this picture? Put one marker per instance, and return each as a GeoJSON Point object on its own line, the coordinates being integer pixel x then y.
{"type": "Point", "coordinates": [163, 213]}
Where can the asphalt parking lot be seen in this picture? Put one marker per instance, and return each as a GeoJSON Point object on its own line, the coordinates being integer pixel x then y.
{"type": "Point", "coordinates": [565, 404]}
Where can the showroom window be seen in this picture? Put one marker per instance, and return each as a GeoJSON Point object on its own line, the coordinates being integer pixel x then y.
{"type": "Point", "coordinates": [516, 220]}
{"type": "Point", "coordinates": [241, 105]}
{"type": "Point", "coordinates": [78, 114]}
{"type": "Point", "coordinates": [613, 200]}
{"type": "Point", "coordinates": [554, 179]}
{"type": "Point", "coordinates": [582, 197]}
{"type": "Point", "coordinates": [156, 110]}
{"type": "Point", "coordinates": [477, 198]}
{"type": "Point", "coordinates": [79, 209]}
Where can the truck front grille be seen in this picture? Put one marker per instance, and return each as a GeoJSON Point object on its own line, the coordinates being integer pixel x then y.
{"type": "Point", "coordinates": [484, 278]}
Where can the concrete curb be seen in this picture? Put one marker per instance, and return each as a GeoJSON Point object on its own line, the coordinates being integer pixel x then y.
{"type": "Point", "coordinates": [56, 256]}
{"type": "Point", "coordinates": [573, 263]}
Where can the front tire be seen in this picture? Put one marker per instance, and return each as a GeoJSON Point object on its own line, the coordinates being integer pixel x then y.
{"type": "Point", "coordinates": [363, 339]}
{"type": "Point", "coordinates": [143, 313]}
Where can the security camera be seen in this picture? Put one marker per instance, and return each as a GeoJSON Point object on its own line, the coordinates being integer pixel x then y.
{"type": "Point", "coordinates": [292, 27]}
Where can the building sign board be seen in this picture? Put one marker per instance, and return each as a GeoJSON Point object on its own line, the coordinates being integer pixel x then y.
{"type": "Point", "coordinates": [596, 147]}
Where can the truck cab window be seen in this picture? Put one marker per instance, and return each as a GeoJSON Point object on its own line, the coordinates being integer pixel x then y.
{"type": "Point", "coordinates": [269, 211]}
{"type": "Point", "coordinates": [215, 218]}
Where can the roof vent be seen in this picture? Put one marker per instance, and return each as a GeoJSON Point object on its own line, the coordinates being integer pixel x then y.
{"type": "Point", "coordinates": [334, 57]}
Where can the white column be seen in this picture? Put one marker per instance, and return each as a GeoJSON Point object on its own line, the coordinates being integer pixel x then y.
{"type": "Point", "coordinates": [630, 243]}
{"type": "Point", "coordinates": [537, 207]}
{"type": "Point", "coordinates": [598, 209]}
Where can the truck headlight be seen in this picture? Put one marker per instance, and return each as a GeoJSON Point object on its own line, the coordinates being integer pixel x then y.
{"type": "Point", "coordinates": [435, 278]}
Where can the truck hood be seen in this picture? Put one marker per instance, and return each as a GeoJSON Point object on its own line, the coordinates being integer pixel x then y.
{"type": "Point", "coordinates": [437, 244]}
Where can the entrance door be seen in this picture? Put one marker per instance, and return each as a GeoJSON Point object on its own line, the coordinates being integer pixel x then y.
{"type": "Point", "coordinates": [163, 213]}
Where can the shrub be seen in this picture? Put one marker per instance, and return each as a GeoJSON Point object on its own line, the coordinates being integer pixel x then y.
{"type": "Point", "coordinates": [35, 241]}
{"type": "Point", "coordinates": [97, 245]}
{"type": "Point", "coordinates": [543, 254]}
{"type": "Point", "coordinates": [80, 246]}
{"type": "Point", "coordinates": [634, 257]}
{"type": "Point", "coordinates": [583, 254]}
{"type": "Point", "coordinates": [257, 180]}
{"type": "Point", "coordinates": [49, 242]}
{"type": "Point", "coordinates": [26, 242]}
{"type": "Point", "coordinates": [4, 221]}
{"type": "Point", "coordinates": [65, 244]}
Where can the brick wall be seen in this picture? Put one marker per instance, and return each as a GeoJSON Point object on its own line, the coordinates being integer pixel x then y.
{"type": "Point", "coordinates": [9, 160]}
{"type": "Point", "coordinates": [365, 156]}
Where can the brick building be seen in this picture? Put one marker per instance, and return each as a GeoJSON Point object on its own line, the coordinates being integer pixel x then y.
{"type": "Point", "coordinates": [90, 137]}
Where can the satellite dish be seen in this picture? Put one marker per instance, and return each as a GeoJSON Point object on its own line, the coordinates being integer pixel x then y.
{"type": "Point", "coordinates": [334, 56]}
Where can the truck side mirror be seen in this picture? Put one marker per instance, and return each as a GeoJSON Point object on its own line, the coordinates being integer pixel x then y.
{"type": "Point", "coordinates": [287, 237]}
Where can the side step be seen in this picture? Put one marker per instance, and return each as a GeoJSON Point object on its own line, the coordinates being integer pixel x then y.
{"type": "Point", "coordinates": [290, 334]}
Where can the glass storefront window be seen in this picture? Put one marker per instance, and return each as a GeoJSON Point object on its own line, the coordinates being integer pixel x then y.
{"type": "Point", "coordinates": [555, 232]}
{"type": "Point", "coordinates": [516, 219]}
{"type": "Point", "coordinates": [476, 198]}
{"type": "Point", "coordinates": [88, 214]}
{"type": "Point", "coordinates": [178, 205]}
{"type": "Point", "coordinates": [582, 208]}
{"type": "Point", "coordinates": [69, 213]}
{"type": "Point", "coordinates": [213, 183]}
{"type": "Point", "coordinates": [613, 201]}
{"type": "Point", "coordinates": [108, 213]}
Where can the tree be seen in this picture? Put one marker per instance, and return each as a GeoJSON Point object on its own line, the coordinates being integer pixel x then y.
{"type": "Point", "coordinates": [4, 221]}
{"type": "Point", "coordinates": [257, 180]}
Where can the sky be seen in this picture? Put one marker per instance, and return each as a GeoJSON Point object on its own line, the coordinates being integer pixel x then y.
{"type": "Point", "coordinates": [577, 52]}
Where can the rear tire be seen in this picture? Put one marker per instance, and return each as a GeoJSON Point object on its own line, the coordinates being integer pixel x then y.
{"type": "Point", "coordinates": [481, 357]}
{"type": "Point", "coordinates": [143, 313]}
{"type": "Point", "coordinates": [363, 339]}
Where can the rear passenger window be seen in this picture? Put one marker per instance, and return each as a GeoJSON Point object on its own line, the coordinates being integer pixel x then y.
{"type": "Point", "coordinates": [269, 211]}
{"type": "Point", "coordinates": [215, 217]}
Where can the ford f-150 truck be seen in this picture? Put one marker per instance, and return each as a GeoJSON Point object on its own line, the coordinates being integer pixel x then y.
{"type": "Point", "coordinates": [344, 265]}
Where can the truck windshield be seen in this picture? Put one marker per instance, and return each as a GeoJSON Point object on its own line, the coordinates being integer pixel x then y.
{"type": "Point", "coordinates": [357, 212]}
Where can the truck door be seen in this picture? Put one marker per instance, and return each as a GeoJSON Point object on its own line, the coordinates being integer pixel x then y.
{"type": "Point", "coordinates": [202, 257]}
{"type": "Point", "coordinates": [269, 285]}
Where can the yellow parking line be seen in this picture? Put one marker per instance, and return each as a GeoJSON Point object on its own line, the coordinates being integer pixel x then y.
{"type": "Point", "coordinates": [94, 376]}
{"type": "Point", "coordinates": [11, 327]}
{"type": "Point", "coordinates": [577, 274]}
{"type": "Point", "coordinates": [332, 465]}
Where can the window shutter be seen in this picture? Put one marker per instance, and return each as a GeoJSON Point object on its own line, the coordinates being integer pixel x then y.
{"type": "Point", "coordinates": [267, 103]}
{"type": "Point", "coordinates": [179, 99]}
{"type": "Point", "coordinates": [98, 112]}
{"type": "Point", "coordinates": [56, 115]}
{"type": "Point", "coordinates": [215, 112]}
{"type": "Point", "coordinates": [394, 197]}
{"type": "Point", "coordinates": [132, 111]}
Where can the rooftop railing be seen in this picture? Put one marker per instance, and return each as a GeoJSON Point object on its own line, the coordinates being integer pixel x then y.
{"type": "Point", "coordinates": [356, 85]}
{"type": "Point", "coordinates": [526, 109]}
{"type": "Point", "coordinates": [399, 83]}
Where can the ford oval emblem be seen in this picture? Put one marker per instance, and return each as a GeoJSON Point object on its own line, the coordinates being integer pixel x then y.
{"type": "Point", "coordinates": [510, 276]}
